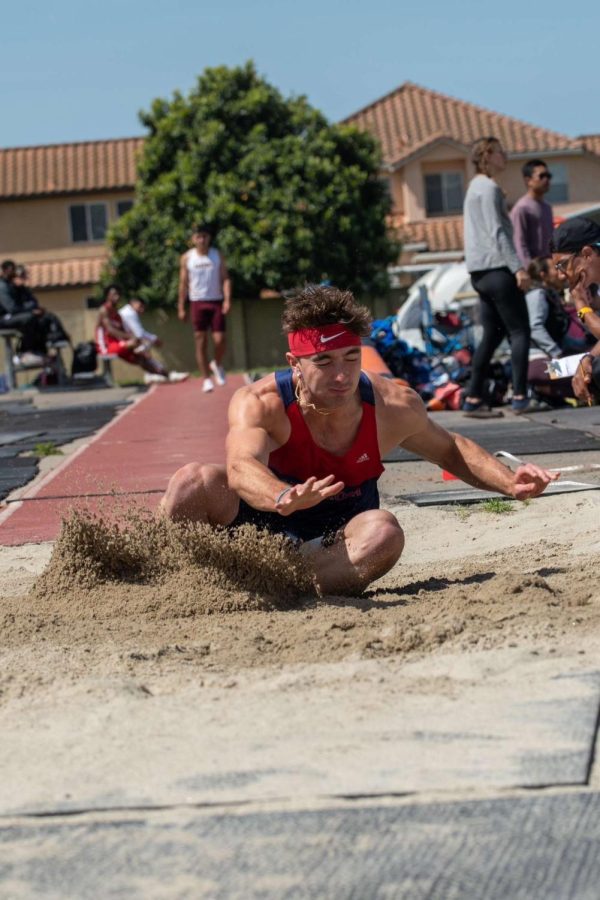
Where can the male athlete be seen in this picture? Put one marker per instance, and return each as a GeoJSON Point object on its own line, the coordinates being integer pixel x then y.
{"type": "Point", "coordinates": [304, 450]}
{"type": "Point", "coordinates": [205, 282]}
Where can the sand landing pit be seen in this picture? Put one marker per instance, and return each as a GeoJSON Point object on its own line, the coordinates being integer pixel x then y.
{"type": "Point", "coordinates": [155, 568]}
{"type": "Point", "coordinates": [175, 605]}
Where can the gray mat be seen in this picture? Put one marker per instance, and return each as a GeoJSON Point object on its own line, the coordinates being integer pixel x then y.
{"type": "Point", "coordinates": [23, 426]}
{"type": "Point", "coordinates": [526, 848]}
{"type": "Point", "coordinates": [473, 495]}
{"type": "Point", "coordinates": [521, 437]}
{"type": "Point", "coordinates": [12, 437]}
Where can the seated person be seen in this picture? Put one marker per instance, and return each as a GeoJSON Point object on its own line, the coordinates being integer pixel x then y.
{"type": "Point", "coordinates": [13, 316]}
{"type": "Point", "coordinates": [112, 338]}
{"type": "Point", "coordinates": [575, 249]}
{"type": "Point", "coordinates": [550, 324]}
{"type": "Point", "coordinates": [130, 315]}
{"type": "Point", "coordinates": [49, 325]}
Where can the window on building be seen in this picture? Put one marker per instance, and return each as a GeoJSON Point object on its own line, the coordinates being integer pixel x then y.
{"type": "Point", "coordinates": [444, 193]}
{"type": "Point", "coordinates": [123, 206]}
{"type": "Point", "coordinates": [89, 222]}
{"type": "Point", "coordinates": [559, 186]}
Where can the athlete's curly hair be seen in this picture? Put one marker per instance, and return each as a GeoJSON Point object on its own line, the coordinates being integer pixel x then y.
{"type": "Point", "coordinates": [315, 305]}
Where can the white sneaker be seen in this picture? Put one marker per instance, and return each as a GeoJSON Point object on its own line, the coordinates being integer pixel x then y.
{"type": "Point", "coordinates": [154, 378]}
{"type": "Point", "coordinates": [208, 386]}
{"type": "Point", "coordinates": [218, 372]}
{"type": "Point", "coordinates": [174, 377]}
{"type": "Point", "coordinates": [28, 359]}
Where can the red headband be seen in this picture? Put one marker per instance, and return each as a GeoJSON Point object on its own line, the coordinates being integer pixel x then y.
{"type": "Point", "coordinates": [319, 340]}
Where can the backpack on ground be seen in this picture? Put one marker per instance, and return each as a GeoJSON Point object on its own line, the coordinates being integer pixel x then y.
{"type": "Point", "coordinates": [85, 359]}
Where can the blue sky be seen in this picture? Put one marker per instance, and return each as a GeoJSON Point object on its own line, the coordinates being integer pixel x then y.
{"type": "Point", "coordinates": [79, 71]}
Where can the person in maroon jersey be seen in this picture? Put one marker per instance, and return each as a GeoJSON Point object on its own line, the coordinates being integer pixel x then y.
{"type": "Point", "coordinates": [304, 450]}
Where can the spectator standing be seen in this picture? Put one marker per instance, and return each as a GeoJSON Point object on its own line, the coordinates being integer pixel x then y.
{"type": "Point", "coordinates": [531, 216]}
{"type": "Point", "coordinates": [497, 275]}
{"type": "Point", "coordinates": [204, 282]}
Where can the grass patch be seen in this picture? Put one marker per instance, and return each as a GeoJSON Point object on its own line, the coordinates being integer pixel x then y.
{"type": "Point", "coordinates": [498, 506]}
{"type": "Point", "coordinates": [47, 448]}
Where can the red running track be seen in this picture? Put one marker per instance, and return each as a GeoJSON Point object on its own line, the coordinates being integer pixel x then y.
{"type": "Point", "coordinates": [129, 461]}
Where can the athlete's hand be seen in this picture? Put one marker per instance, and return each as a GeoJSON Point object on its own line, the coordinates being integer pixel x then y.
{"type": "Point", "coordinates": [303, 496]}
{"type": "Point", "coordinates": [531, 481]}
{"type": "Point", "coordinates": [181, 313]}
{"type": "Point", "coordinates": [226, 307]}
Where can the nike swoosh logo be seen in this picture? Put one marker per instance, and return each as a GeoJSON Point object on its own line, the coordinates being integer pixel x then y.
{"type": "Point", "coordinates": [325, 340]}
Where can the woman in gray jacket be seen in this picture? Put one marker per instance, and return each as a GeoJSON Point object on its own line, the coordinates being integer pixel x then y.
{"type": "Point", "coordinates": [497, 275]}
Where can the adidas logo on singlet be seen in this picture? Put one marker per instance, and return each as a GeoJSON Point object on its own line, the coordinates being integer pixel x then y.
{"type": "Point", "coordinates": [364, 458]}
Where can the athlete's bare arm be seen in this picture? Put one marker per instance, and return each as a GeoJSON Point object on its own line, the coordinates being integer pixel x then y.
{"type": "Point", "coordinates": [183, 287]}
{"type": "Point", "coordinates": [257, 425]}
{"type": "Point", "coordinates": [226, 285]}
{"type": "Point", "coordinates": [402, 419]}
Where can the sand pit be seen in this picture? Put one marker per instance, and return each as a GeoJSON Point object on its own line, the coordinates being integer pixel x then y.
{"type": "Point", "coordinates": [171, 604]}
{"type": "Point", "coordinates": [150, 568]}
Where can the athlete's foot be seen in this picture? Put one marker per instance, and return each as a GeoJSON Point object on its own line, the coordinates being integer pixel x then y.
{"type": "Point", "coordinates": [208, 386]}
{"type": "Point", "coordinates": [218, 372]}
{"type": "Point", "coordinates": [174, 377]}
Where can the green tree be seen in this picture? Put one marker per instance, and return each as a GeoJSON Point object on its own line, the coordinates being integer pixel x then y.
{"type": "Point", "coordinates": [293, 198]}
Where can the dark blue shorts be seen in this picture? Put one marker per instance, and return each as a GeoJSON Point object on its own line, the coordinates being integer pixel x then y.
{"type": "Point", "coordinates": [323, 520]}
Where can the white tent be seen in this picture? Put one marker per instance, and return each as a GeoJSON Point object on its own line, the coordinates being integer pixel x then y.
{"type": "Point", "coordinates": [447, 287]}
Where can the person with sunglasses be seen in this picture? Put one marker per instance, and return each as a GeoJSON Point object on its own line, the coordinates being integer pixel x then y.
{"type": "Point", "coordinates": [575, 250]}
{"type": "Point", "coordinates": [531, 215]}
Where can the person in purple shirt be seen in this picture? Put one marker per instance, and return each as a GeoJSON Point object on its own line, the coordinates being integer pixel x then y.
{"type": "Point", "coordinates": [531, 216]}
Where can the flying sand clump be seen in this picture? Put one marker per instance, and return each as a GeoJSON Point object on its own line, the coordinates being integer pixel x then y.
{"type": "Point", "coordinates": [140, 564]}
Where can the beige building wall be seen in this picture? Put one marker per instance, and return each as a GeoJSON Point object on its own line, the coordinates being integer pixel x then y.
{"type": "Point", "coordinates": [442, 158]}
{"type": "Point", "coordinates": [583, 173]}
{"type": "Point", "coordinates": [583, 179]}
{"type": "Point", "coordinates": [39, 228]}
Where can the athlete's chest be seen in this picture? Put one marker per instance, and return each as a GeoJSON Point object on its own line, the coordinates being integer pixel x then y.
{"type": "Point", "coordinates": [334, 438]}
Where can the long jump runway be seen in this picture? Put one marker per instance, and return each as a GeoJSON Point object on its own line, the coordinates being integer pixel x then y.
{"type": "Point", "coordinates": [128, 462]}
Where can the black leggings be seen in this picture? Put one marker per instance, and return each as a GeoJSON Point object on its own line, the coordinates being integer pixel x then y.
{"type": "Point", "coordinates": [503, 312]}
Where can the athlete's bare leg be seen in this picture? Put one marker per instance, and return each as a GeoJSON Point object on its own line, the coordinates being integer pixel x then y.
{"type": "Point", "coordinates": [219, 342]}
{"type": "Point", "coordinates": [200, 493]}
{"type": "Point", "coordinates": [365, 549]}
{"type": "Point", "coordinates": [201, 341]}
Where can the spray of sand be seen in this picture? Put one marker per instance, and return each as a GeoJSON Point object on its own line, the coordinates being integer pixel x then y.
{"type": "Point", "coordinates": [141, 564]}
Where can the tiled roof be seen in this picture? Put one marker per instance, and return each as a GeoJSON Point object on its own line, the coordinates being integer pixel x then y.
{"type": "Point", "coordinates": [591, 142]}
{"type": "Point", "coordinates": [65, 272]}
{"type": "Point", "coordinates": [412, 116]}
{"type": "Point", "coordinates": [68, 168]}
{"type": "Point", "coordinates": [440, 235]}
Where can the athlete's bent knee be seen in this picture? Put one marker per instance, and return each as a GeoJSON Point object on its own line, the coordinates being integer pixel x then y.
{"type": "Point", "coordinates": [389, 539]}
{"type": "Point", "coordinates": [182, 492]}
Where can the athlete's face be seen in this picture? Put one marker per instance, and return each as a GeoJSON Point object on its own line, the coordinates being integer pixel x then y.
{"type": "Point", "coordinates": [329, 379]}
{"type": "Point", "coordinates": [201, 241]}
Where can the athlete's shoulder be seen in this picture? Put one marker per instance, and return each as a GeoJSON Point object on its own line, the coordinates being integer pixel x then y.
{"type": "Point", "coordinates": [389, 393]}
{"type": "Point", "coordinates": [261, 396]}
